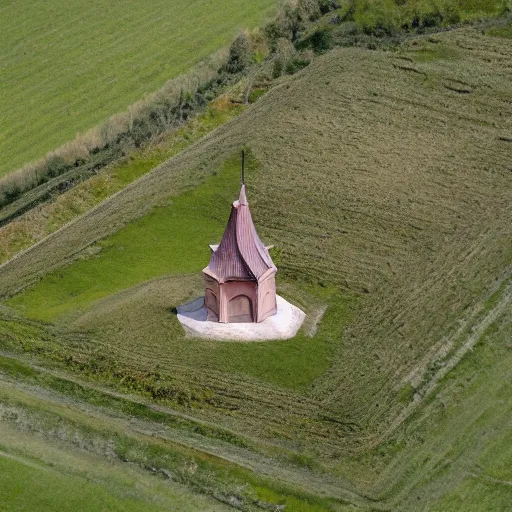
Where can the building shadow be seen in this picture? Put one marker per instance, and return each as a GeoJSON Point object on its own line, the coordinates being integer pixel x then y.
{"type": "Point", "coordinates": [195, 310]}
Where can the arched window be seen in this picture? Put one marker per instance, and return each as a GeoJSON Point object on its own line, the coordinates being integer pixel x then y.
{"type": "Point", "coordinates": [240, 309]}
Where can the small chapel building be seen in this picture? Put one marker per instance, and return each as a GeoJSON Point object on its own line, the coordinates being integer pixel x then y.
{"type": "Point", "coordinates": [240, 278]}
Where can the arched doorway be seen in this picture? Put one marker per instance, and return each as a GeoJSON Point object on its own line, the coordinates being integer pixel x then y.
{"type": "Point", "coordinates": [240, 309]}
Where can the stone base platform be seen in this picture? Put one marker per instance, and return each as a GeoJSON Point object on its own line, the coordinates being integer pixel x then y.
{"type": "Point", "coordinates": [281, 326]}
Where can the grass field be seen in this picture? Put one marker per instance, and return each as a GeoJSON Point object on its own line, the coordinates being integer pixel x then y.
{"type": "Point", "coordinates": [123, 260]}
{"type": "Point", "coordinates": [388, 198]}
{"type": "Point", "coordinates": [28, 486]}
{"type": "Point", "coordinates": [67, 434]}
{"type": "Point", "coordinates": [66, 67]}
{"type": "Point", "coordinates": [431, 246]}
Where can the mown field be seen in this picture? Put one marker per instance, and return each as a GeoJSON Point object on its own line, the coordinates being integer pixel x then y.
{"type": "Point", "coordinates": [66, 66]}
{"type": "Point", "coordinates": [384, 180]}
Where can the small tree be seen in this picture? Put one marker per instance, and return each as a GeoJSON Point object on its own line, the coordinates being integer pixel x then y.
{"type": "Point", "coordinates": [239, 54]}
{"type": "Point", "coordinates": [287, 24]}
{"type": "Point", "coordinates": [326, 6]}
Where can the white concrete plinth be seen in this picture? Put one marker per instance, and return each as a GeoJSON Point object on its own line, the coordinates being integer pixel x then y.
{"type": "Point", "coordinates": [281, 326]}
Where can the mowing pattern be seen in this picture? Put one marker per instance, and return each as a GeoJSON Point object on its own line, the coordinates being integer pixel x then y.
{"type": "Point", "coordinates": [466, 461]}
{"type": "Point", "coordinates": [386, 175]}
{"type": "Point", "coordinates": [66, 67]}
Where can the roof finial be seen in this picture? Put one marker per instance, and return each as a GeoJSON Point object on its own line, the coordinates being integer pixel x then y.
{"type": "Point", "coordinates": [243, 167]}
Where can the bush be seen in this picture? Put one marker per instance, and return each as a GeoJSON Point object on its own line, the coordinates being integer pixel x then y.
{"type": "Point", "coordinates": [451, 13]}
{"type": "Point", "coordinates": [377, 17]}
{"type": "Point", "coordinates": [240, 55]}
{"type": "Point", "coordinates": [326, 6]}
{"type": "Point", "coordinates": [319, 41]}
{"type": "Point", "coordinates": [422, 14]}
{"type": "Point", "coordinates": [290, 21]}
{"type": "Point", "coordinates": [431, 18]}
{"type": "Point", "coordinates": [259, 46]}
{"type": "Point", "coordinates": [296, 64]}
{"type": "Point", "coordinates": [273, 31]}
{"type": "Point", "coordinates": [285, 26]}
{"type": "Point", "coordinates": [308, 10]}
{"type": "Point", "coordinates": [347, 29]}
{"type": "Point", "coordinates": [278, 69]}
{"type": "Point", "coordinates": [284, 52]}
{"type": "Point", "coordinates": [11, 193]}
{"type": "Point", "coordinates": [55, 165]}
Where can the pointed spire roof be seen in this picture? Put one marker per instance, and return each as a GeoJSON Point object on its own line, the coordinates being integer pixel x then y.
{"type": "Point", "coordinates": [241, 198]}
{"type": "Point", "coordinates": [241, 254]}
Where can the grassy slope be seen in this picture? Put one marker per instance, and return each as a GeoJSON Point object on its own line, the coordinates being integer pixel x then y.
{"type": "Point", "coordinates": [123, 259]}
{"type": "Point", "coordinates": [453, 454]}
{"type": "Point", "coordinates": [456, 454]}
{"type": "Point", "coordinates": [65, 67]}
{"type": "Point", "coordinates": [69, 427]}
{"type": "Point", "coordinates": [30, 488]}
{"type": "Point", "coordinates": [429, 251]}
{"type": "Point", "coordinates": [119, 321]}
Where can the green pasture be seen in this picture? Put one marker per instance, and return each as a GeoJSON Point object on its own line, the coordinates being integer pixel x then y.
{"type": "Point", "coordinates": [40, 456]}
{"type": "Point", "coordinates": [504, 31]}
{"type": "Point", "coordinates": [42, 489]}
{"type": "Point", "coordinates": [84, 196]}
{"type": "Point", "coordinates": [26, 485]}
{"type": "Point", "coordinates": [142, 318]}
{"type": "Point", "coordinates": [455, 452]}
{"type": "Point", "coordinates": [66, 65]}
{"type": "Point", "coordinates": [30, 487]}
{"type": "Point", "coordinates": [172, 239]}
{"type": "Point", "coordinates": [479, 9]}
{"type": "Point", "coordinates": [365, 196]}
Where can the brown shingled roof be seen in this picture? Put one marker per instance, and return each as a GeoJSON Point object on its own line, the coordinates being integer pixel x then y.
{"type": "Point", "coordinates": [241, 254]}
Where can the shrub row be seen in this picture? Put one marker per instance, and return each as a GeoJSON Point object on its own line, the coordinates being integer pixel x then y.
{"type": "Point", "coordinates": [389, 17]}
{"type": "Point", "coordinates": [319, 25]}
